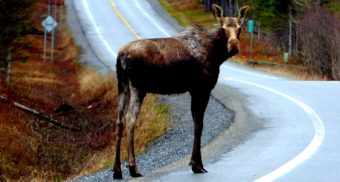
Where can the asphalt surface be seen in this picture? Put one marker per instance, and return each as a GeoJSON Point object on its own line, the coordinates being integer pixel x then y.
{"type": "Point", "coordinates": [284, 130]}
{"type": "Point", "coordinates": [177, 142]}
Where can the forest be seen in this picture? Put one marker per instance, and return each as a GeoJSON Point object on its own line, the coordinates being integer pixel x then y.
{"type": "Point", "coordinates": [307, 29]}
{"type": "Point", "coordinates": [56, 117]}
{"type": "Point", "coordinates": [15, 18]}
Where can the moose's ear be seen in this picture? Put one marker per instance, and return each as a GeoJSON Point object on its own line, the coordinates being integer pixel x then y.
{"type": "Point", "coordinates": [217, 12]}
{"type": "Point", "coordinates": [243, 14]}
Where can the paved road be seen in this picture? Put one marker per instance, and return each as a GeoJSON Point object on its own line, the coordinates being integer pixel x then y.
{"type": "Point", "coordinates": [297, 135]}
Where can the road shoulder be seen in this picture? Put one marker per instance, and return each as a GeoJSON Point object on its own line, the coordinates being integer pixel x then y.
{"type": "Point", "coordinates": [243, 125]}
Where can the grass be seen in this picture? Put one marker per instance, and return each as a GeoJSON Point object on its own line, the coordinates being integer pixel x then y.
{"type": "Point", "coordinates": [187, 12]}
{"type": "Point", "coordinates": [33, 149]}
{"type": "Point", "coordinates": [290, 71]}
{"type": "Point", "coordinates": [45, 151]}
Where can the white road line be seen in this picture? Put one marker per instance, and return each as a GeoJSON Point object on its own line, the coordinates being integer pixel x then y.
{"type": "Point", "coordinates": [151, 19]}
{"type": "Point", "coordinates": [308, 151]}
{"type": "Point", "coordinates": [86, 7]}
{"type": "Point", "coordinates": [318, 125]}
{"type": "Point", "coordinates": [168, 35]}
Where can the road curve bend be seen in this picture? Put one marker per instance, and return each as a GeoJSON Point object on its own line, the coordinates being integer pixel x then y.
{"type": "Point", "coordinates": [296, 123]}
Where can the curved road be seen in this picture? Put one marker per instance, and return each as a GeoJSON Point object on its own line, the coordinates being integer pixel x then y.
{"type": "Point", "coordinates": [297, 137]}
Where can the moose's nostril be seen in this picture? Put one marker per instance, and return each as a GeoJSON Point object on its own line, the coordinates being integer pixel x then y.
{"type": "Point", "coordinates": [233, 46]}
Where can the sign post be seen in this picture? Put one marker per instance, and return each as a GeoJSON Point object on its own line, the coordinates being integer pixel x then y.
{"type": "Point", "coordinates": [49, 24]}
{"type": "Point", "coordinates": [251, 31]}
{"type": "Point", "coordinates": [286, 57]}
{"type": "Point", "coordinates": [54, 13]}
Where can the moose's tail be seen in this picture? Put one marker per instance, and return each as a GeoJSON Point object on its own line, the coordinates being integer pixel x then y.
{"type": "Point", "coordinates": [121, 73]}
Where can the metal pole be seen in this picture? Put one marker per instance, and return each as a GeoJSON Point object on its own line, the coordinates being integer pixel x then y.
{"type": "Point", "coordinates": [61, 17]}
{"type": "Point", "coordinates": [290, 31]}
{"type": "Point", "coordinates": [52, 45]}
{"type": "Point", "coordinates": [45, 31]}
{"type": "Point", "coordinates": [52, 35]}
{"type": "Point", "coordinates": [251, 45]}
{"type": "Point", "coordinates": [61, 23]}
{"type": "Point", "coordinates": [45, 44]}
{"type": "Point", "coordinates": [251, 31]}
{"type": "Point", "coordinates": [8, 66]}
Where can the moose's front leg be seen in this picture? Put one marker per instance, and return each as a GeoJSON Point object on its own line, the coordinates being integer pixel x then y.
{"type": "Point", "coordinates": [136, 101]}
{"type": "Point", "coordinates": [199, 103]}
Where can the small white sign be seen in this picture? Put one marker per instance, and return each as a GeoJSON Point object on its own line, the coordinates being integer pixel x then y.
{"type": "Point", "coordinates": [49, 23]}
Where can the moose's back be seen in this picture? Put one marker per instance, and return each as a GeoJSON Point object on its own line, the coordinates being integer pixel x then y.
{"type": "Point", "coordinates": [162, 66]}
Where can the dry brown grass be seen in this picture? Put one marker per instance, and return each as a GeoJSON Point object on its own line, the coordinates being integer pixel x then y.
{"type": "Point", "coordinates": [188, 12]}
{"type": "Point", "coordinates": [290, 71]}
{"type": "Point", "coordinates": [100, 92]}
{"type": "Point", "coordinates": [44, 150]}
{"type": "Point", "coordinates": [33, 149]}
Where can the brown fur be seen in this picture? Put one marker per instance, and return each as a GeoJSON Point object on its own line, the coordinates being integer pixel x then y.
{"type": "Point", "coordinates": [187, 62]}
{"type": "Point", "coordinates": [174, 65]}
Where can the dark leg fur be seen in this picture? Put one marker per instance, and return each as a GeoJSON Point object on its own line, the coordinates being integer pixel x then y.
{"type": "Point", "coordinates": [134, 172]}
{"type": "Point", "coordinates": [198, 105]}
{"type": "Point", "coordinates": [124, 97]}
{"type": "Point", "coordinates": [136, 100]}
{"type": "Point", "coordinates": [117, 174]}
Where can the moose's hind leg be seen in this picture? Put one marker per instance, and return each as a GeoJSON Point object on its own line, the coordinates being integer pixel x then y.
{"type": "Point", "coordinates": [122, 107]}
{"type": "Point", "coordinates": [136, 101]}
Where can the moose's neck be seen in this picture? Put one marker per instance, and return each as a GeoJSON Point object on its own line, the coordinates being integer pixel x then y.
{"type": "Point", "coordinates": [219, 50]}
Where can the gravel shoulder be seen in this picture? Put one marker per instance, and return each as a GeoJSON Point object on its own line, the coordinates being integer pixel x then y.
{"type": "Point", "coordinates": [241, 125]}
{"type": "Point", "coordinates": [176, 144]}
{"type": "Point", "coordinates": [172, 150]}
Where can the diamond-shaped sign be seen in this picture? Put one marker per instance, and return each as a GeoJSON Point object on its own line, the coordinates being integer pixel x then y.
{"type": "Point", "coordinates": [49, 23]}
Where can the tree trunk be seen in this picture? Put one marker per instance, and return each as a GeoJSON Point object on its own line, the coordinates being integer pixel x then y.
{"type": "Point", "coordinates": [8, 67]}
{"type": "Point", "coordinates": [296, 39]}
{"type": "Point", "coordinates": [258, 30]}
{"type": "Point", "coordinates": [290, 31]}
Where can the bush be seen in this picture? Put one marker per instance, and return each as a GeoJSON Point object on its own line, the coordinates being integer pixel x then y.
{"type": "Point", "coordinates": [320, 42]}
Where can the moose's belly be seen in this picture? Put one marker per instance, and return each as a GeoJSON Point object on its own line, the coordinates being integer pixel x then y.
{"type": "Point", "coordinates": [168, 80]}
{"type": "Point", "coordinates": [167, 86]}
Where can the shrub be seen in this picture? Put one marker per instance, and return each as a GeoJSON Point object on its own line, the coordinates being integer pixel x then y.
{"type": "Point", "coordinates": [320, 42]}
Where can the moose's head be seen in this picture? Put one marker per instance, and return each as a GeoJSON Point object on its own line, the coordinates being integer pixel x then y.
{"type": "Point", "coordinates": [231, 26]}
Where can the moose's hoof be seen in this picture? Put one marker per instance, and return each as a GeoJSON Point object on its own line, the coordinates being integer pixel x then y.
{"type": "Point", "coordinates": [134, 172]}
{"type": "Point", "coordinates": [197, 168]}
{"type": "Point", "coordinates": [117, 174]}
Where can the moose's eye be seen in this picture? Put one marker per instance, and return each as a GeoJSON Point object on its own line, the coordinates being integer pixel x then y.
{"type": "Point", "coordinates": [238, 29]}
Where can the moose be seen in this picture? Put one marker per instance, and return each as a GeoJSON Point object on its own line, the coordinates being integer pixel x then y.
{"type": "Point", "coordinates": [186, 62]}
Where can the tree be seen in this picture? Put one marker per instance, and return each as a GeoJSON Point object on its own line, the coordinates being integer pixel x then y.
{"type": "Point", "coordinates": [230, 7]}
{"type": "Point", "coordinates": [15, 19]}
{"type": "Point", "coordinates": [320, 41]}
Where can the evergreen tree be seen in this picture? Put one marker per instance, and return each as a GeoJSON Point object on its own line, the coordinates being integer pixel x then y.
{"type": "Point", "coordinates": [230, 7]}
{"type": "Point", "coordinates": [15, 19]}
